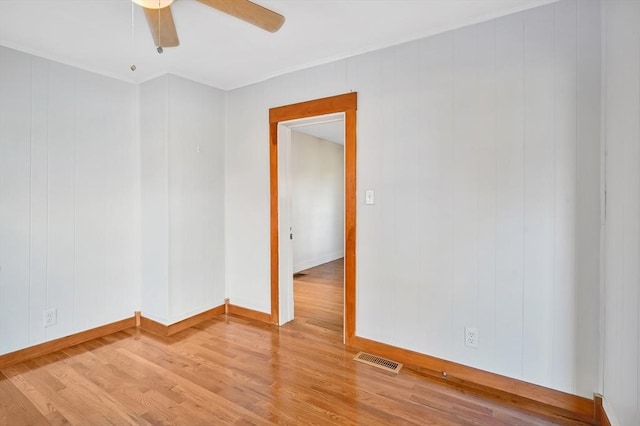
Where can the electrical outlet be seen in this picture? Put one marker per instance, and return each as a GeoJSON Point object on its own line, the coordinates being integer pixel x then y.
{"type": "Point", "coordinates": [471, 337]}
{"type": "Point", "coordinates": [50, 317]}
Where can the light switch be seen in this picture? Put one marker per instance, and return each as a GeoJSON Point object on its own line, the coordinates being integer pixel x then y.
{"type": "Point", "coordinates": [369, 196]}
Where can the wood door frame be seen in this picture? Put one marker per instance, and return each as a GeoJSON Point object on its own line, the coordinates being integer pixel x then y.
{"type": "Point", "coordinates": [346, 103]}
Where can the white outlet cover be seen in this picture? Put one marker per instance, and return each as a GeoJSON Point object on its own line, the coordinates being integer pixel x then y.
{"type": "Point", "coordinates": [471, 337]}
{"type": "Point", "coordinates": [50, 317]}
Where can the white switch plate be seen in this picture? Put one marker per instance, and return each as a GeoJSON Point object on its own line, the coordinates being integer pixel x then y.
{"type": "Point", "coordinates": [369, 196]}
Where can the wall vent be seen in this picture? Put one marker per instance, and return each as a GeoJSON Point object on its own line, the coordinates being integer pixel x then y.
{"type": "Point", "coordinates": [379, 362]}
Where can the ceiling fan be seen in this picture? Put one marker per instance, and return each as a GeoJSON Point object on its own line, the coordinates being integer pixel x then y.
{"type": "Point", "coordinates": [163, 29]}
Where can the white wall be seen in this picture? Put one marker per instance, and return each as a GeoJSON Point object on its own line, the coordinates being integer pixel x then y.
{"type": "Point", "coordinates": [154, 186]}
{"type": "Point", "coordinates": [317, 200]}
{"type": "Point", "coordinates": [622, 242]}
{"type": "Point", "coordinates": [68, 199]}
{"type": "Point", "coordinates": [480, 144]}
{"type": "Point", "coordinates": [182, 164]}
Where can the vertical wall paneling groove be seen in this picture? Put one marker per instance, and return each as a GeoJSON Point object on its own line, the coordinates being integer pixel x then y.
{"type": "Point", "coordinates": [154, 201]}
{"type": "Point", "coordinates": [487, 193]}
{"type": "Point", "coordinates": [137, 225]}
{"type": "Point", "coordinates": [478, 143]}
{"type": "Point", "coordinates": [164, 122]}
{"type": "Point", "coordinates": [565, 145]}
{"type": "Point", "coordinates": [406, 173]}
{"type": "Point", "coordinates": [621, 375]}
{"type": "Point", "coordinates": [30, 255]}
{"type": "Point", "coordinates": [588, 198]}
{"type": "Point", "coordinates": [509, 194]}
{"type": "Point", "coordinates": [74, 201]}
{"type": "Point", "coordinates": [39, 201]}
{"type": "Point", "coordinates": [48, 173]}
{"type": "Point", "coordinates": [539, 192]}
{"type": "Point", "coordinates": [436, 145]}
{"type": "Point", "coordinates": [387, 198]}
{"type": "Point", "coordinates": [466, 148]}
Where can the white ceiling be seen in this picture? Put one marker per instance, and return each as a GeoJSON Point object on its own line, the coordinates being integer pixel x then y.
{"type": "Point", "coordinates": [329, 127]}
{"type": "Point", "coordinates": [108, 36]}
{"type": "Point", "coordinates": [331, 131]}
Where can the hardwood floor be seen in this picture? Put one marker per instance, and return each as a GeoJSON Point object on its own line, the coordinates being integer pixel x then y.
{"type": "Point", "coordinates": [318, 296]}
{"type": "Point", "coordinates": [231, 370]}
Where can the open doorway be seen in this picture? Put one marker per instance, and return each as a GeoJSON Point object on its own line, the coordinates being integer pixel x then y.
{"type": "Point", "coordinates": [315, 164]}
{"type": "Point", "coordinates": [281, 265]}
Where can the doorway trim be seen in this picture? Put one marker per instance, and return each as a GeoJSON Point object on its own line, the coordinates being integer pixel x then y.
{"type": "Point", "coordinates": [346, 103]}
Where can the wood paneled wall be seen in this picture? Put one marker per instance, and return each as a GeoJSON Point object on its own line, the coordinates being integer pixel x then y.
{"type": "Point", "coordinates": [68, 200]}
{"type": "Point", "coordinates": [317, 200]}
{"type": "Point", "coordinates": [621, 376]}
{"type": "Point", "coordinates": [481, 145]}
{"type": "Point", "coordinates": [182, 164]}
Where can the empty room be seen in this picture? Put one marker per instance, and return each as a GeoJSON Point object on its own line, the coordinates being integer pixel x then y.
{"type": "Point", "coordinates": [351, 212]}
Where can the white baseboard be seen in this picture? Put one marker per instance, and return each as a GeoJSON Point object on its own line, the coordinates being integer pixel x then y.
{"type": "Point", "coordinates": [249, 304]}
{"type": "Point", "coordinates": [184, 315]}
{"type": "Point", "coordinates": [320, 260]}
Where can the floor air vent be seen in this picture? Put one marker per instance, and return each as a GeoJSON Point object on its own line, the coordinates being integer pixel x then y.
{"type": "Point", "coordinates": [376, 361]}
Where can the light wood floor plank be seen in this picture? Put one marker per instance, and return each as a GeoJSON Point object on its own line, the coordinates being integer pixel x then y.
{"type": "Point", "coordinates": [231, 370]}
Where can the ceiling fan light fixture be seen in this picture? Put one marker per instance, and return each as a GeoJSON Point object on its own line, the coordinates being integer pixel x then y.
{"type": "Point", "coordinates": [153, 4]}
